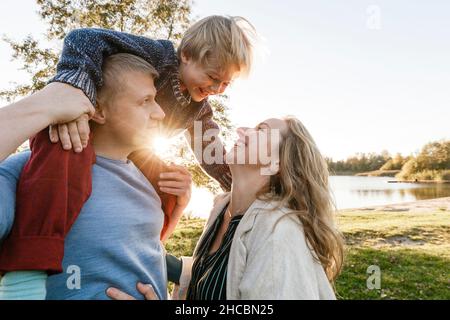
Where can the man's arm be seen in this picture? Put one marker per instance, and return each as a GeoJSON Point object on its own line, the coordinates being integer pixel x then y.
{"type": "Point", "coordinates": [84, 49]}
{"type": "Point", "coordinates": [23, 119]}
{"type": "Point", "coordinates": [204, 132]}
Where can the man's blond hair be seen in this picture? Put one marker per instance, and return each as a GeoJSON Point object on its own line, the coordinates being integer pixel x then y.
{"type": "Point", "coordinates": [220, 42]}
{"type": "Point", "coordinates": [113, 69]}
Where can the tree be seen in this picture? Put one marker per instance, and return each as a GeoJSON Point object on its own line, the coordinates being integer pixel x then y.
{"type": "Point", "coordinates": [432, 163]}
{"type": "Point", "coordinates": [162, 19]}
{"type": "Point", "coordinates": [166, 19]}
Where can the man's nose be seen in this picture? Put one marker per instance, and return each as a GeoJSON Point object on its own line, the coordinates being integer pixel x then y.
{"type": "Point", "coordinates": [158, 113]}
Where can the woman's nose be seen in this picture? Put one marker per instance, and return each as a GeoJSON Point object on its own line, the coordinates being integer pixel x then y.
{"type": "Point", "coordinates": [241, 131]}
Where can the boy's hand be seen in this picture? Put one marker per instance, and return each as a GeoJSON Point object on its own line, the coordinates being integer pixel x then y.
{"type": "Point", "coordinates": [69, 111]}
{"type": "Point", "coordinates": [74, 134]}
{"type": "Point", "coordinates": [177, 182]}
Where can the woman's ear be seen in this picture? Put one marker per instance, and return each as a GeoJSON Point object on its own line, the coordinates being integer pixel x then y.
{"type": "Point", "coordinates": [99, 115]}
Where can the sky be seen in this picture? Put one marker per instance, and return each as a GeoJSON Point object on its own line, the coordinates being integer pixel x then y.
{"type": "Point", "coordinates": [363, 76]}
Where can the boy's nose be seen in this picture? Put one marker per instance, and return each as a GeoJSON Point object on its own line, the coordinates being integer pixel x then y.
{"type": "Point", "coordinates": [217, 88]}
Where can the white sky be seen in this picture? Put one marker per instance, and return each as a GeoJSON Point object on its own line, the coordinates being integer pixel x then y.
{"type": "Point", "coordinates": [356, 88]}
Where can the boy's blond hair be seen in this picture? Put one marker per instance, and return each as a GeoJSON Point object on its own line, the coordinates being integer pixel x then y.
{"type": "Point", "coordinates": [113, 69]}
{"type": "Point", "coordinates": [219, 42]}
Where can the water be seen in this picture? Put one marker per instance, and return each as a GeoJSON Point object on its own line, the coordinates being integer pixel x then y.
{"type": "Point", "coordinates": [349, 192]}
{"type": "Point", "coordinates": [356, 192]}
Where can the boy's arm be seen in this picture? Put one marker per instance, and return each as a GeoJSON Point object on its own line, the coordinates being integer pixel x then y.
{"type": "Point", "coordinates": [84, 49]}
{"type": "Point", "coordinates": [210, 130]}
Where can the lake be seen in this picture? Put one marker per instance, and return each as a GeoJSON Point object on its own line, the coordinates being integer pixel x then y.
{"type": "Point", "coordinates": [349, 192]}
{"type": "Point", "coordinates": [356, 192]}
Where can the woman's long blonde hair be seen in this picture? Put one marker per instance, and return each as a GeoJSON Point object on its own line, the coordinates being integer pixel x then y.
{"type": "Point", "coordinates": [302, 185]}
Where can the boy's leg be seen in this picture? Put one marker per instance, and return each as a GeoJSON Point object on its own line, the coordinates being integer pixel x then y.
{"type": "Point", "coordinates": [23, 285]}
{"type": "Point", "coordinates": [151, 166]}
{"type": "Point", "coordinates": [53, 187]}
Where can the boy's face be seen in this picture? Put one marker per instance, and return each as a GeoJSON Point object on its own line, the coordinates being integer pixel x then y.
{"type": "Point", "coordinates": [133, 116]}
{"type": "Point", "coordinates": [202, 82]}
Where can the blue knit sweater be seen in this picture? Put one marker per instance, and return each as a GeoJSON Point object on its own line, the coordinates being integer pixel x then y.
{"type": "Point", "coordinates": [80, 65]}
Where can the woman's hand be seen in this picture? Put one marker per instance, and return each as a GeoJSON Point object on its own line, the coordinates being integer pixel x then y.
{"type": "Point", "coordinates": [177, 182]}
{"type": "Point", "coordinates": [145, 289]}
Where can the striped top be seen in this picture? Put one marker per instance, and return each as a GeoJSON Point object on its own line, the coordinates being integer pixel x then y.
{"type": "Point", "coordinates": [209, 271]}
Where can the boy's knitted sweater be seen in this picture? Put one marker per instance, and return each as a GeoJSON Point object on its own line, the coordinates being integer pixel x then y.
{"type": "Point", "coordinates": [81, 62]}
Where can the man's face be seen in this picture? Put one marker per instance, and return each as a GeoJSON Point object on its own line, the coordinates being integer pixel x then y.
{"type": "Point", "coordinates": [134, 116]}
{"type": "Point", "coordinates": [202, 82]}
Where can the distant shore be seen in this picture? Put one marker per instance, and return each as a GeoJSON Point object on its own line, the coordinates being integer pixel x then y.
{"type": "Point", "coordinates": [388, 173]}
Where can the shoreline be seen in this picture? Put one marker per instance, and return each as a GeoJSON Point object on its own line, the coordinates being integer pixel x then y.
{"type": "Point", "coordinates": [429, 205]}
{"type": "Point", "coordinates": [420, 181]}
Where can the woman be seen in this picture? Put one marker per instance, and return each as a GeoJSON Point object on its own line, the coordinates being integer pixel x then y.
{"type": "Point", "coordinates": [273, 236]}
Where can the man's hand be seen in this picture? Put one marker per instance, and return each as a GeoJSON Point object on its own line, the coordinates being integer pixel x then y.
{"type": "Point", "coordinates": [64, 103]}
{"type": "Point", "coordinates": [177, 182]}
{"type": "Point", "coordinates": [69, 111]}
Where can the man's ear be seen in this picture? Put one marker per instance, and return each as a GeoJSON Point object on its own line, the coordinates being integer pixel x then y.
{"type": "Point", "coordinates": [99, 115]}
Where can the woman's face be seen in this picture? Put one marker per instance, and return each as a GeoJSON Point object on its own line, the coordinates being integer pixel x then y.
{"type": "Point", "coordinates": [258, 146]}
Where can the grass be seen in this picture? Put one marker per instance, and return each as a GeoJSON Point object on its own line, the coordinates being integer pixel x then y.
{"type": "Point", "coordinates": [411, 249]}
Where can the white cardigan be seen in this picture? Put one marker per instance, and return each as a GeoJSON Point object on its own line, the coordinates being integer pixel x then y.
{"type": "Point", "coordinates": [269, 257]}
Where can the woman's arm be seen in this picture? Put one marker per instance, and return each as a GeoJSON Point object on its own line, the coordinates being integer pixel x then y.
{"type": "Point", "coordinates": [23, 119]}
{"type": "Point", "coordinates": [179, 291]}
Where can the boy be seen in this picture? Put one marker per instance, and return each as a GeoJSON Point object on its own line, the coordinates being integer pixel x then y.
{"type": "Point", "coordinates": [116, 237]}
{"type": "Point", "coordinates": [212, 53]}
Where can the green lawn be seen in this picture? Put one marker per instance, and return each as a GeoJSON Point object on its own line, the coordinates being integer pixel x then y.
{"type": "Point", "coordinates": [412, 251]}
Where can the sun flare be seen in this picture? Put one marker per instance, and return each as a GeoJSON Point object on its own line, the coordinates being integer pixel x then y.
{"type": "Point", "coordinates": [160, 145]}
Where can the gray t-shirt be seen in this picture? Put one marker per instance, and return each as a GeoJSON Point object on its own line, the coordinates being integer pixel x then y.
{"type": "Point", "coordinates": [115, 240]}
